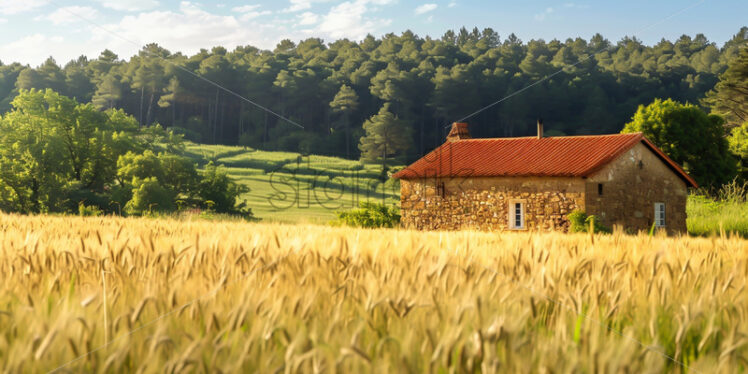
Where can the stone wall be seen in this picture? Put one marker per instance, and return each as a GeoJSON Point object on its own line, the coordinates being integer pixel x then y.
{"type": "Point", "coordinates": [631, 185]}
{"type": "Point", "coordinates": [483, 202]}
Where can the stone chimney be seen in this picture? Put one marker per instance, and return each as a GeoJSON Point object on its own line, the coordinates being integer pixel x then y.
{"type": "Point", "coordinates": [540, 128]}
{"type": "Point", "coordinates": [459, 131]}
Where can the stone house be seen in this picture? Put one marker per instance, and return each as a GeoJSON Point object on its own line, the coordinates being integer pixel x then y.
{"type": "Point", "coordinates": [533, 183]}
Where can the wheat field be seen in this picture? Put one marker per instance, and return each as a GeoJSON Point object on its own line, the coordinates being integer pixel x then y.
{"type": "Point", "coordinates": [196, 296]}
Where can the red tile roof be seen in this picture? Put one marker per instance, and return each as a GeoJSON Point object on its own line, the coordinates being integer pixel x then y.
{"type": "Point", "coordinates": [563, 156]}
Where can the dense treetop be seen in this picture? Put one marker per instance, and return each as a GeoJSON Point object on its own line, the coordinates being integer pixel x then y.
{"type": "Point", "coordinates": [695, 140]}
{"type": "Point", "coordinates": [58, 156]}
{"type": "Point", "coordinates": [333, 88]}
{"type": "Point", "coordinates": [730, 96]}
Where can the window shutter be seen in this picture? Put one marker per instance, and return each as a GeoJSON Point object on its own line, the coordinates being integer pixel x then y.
{"type": "Point", "coordinates": [659, 214]}
{"type": "Point", "coordinates": [517, 215]}
{"type": "Point", "coordinates": [662, 214]}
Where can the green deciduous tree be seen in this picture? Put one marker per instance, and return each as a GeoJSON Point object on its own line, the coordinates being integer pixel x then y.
{"type": "Point", "coordinates": [157, 178]}
{"type": "Point", "coordinates": [33, 167]}
{"type": "Point", "coordinates": [689, 136]}
{"type": "Point", "coordinates": [52, 146]}
{"type": "Point", "coordinates": [56, 154]}
{"type": "Point", "coordinates": [216, 187]}
{"type": "Point", "coordinates": [169, 180]}
{"type": "Point", "coordinates": [149, 195]}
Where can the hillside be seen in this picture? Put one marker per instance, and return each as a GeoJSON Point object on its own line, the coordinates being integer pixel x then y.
{"type": "Point", "coordinates": [331, 88]}
{"type": "Point", "coordinates": [290, 187]}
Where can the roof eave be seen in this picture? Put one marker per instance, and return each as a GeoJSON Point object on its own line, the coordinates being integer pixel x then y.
{"type": "Point", "coordinates": [614, 155]}
{"type": "Point", "coordinates": [403, 174]}
{"type": "Point", "coordinates": [408, 172]}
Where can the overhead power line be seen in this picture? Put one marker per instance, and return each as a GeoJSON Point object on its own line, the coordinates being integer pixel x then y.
{"type": "Point", "coordinates": [585, 58]}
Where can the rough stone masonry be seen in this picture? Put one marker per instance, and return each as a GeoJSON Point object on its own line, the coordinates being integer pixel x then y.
{"type": "Point", "coordinates": [629, 190]}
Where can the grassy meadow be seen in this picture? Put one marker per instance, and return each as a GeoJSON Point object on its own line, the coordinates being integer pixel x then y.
{"type": "Point", "coordinates": [161, 295]}
{"type": "Point", "coordinates": [726, 212]}
{"type": "Point", "coordinates": [289, 187]}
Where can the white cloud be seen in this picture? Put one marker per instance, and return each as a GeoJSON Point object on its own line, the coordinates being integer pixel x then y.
{"type": "Point", "coordinates": [3, 20]}
{"type": "Point", "coordinates": [349, 20]}
{"type": "Point", "coordinates": [308, 18]}
{"type": "Point", "coordinates": [452, 4]}
{"type": "Point", "coordinates": [244, 8]}
{"type": "Point", "coordinates": [540, 17]}
{"type": "Point", "coordinates": [186, 30]}
{"type": "Point", "coordinates": [298, 5]}
{"type": "Point", "coordinates": [253, 15]}
{"type": "Point", "coordinates": [250, 12]}
{"type": "Point", "coordinates": [191, 27]}
{"type": "Point", "coordinates": [9, 7]}
{"type": "Point", "coordinates": [70, 14]}
{"type": "Point", "coordinates": [425, 8]}
{"type": "Point", "coordinates": [34, 49]}
{"type": "Point", "coordinates": [129, 5]}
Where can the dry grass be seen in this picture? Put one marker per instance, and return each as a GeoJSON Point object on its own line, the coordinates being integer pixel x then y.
{"type": "Point", "coordinates": [275, 298]}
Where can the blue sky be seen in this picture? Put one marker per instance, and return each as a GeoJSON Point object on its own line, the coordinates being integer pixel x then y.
{"type": "Point", "coordinates": [32, 30]}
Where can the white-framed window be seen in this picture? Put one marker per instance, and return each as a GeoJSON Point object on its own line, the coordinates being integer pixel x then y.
{"type": "Point", "coordinates": [517, 215]}
{"type": "Point", "coordinates": [659, 214]}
